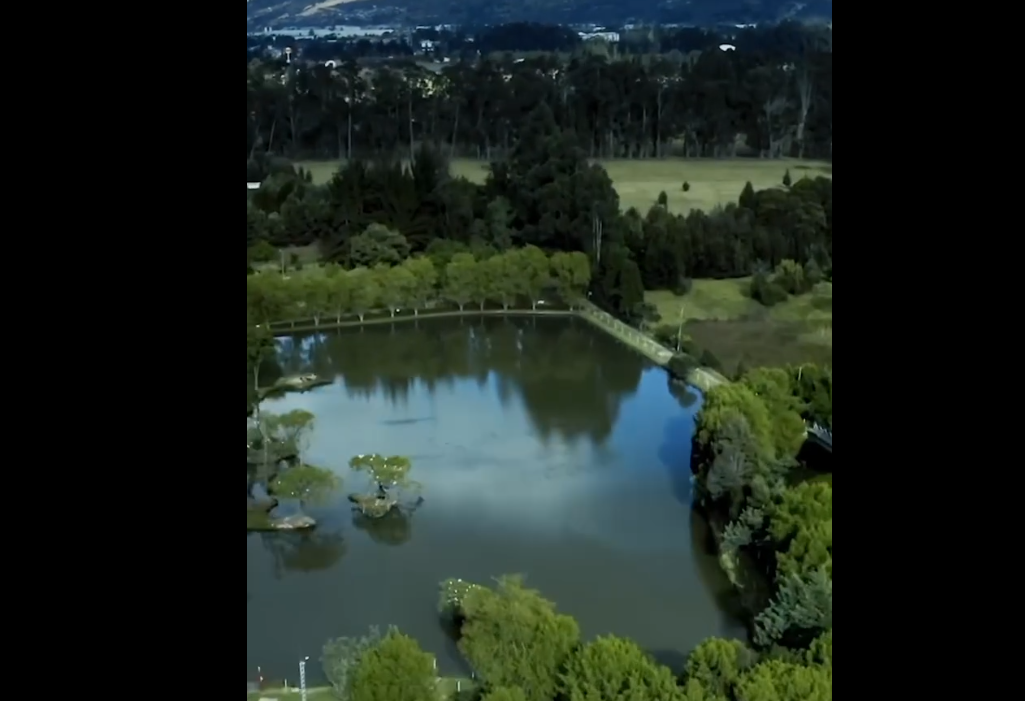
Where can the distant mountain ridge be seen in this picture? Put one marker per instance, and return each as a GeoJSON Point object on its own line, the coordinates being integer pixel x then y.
{"type": "Point", "coordinates": [311, 13]}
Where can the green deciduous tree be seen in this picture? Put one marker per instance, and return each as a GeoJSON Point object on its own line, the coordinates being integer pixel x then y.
{"type": "Point", "coordinates": [423, 287]}
{"type": "Point", "coordinates": [340, 291]}
{"type": "Point", "coordinates": [394, 285]}
{"type": "Point", "coordinates": [365, 291]}
{"type": "Point", "coordinates": [340, 656]}
{"type": "Point", "coordinates": [718, 664]}
{"type": "Point", "coordinates": [305, 483]}
{"type": "Point", "coordinates": [533, 273]}
{"type": "Point", "coordinates": [504, 279]}
{"type": "Point", "coordinates": [614, 669]}
{"type": "Point", "coordinates": [572, 275]}
{"type": "Point", "coordinates": [378, 244]}
{"type": "Point", "coordinates": [782, 681]}
{"type": "Point", "coordinates": [395, 669]}
{"type": "Point", "coordinates": [462, 280]}
{"type": "Point", "coordinates": [514, 637]}
{"type": "Point", "coordinates": [387, 472]}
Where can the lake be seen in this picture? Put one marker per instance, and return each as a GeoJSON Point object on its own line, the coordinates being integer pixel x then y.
{"type": "Point", "coordinates": [544, 447]}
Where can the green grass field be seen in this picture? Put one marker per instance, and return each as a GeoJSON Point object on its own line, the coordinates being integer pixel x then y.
{"type": "Point", "coordinates": [447, 689]}
{"type": "Point", "coordinates": [639, 182]}
{"type": "Point", "coordinates": [720, 317]}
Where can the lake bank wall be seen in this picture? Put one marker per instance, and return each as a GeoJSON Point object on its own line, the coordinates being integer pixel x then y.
{"type": "Point", "coordinates": [702, 378]}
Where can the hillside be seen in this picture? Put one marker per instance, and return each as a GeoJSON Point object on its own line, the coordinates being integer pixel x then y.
{"type": "Point", "coordinates": [281, 13]}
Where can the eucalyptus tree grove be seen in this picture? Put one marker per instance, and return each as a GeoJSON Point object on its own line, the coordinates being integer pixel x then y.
{"type": "Point", "coordinates": [707, 103]}
{"type": "Point", "coordinates": [333, 293]}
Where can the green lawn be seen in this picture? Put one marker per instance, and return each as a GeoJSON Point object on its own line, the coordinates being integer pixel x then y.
{"type": "Point", "coordinates": [639, 182]}
{"type": "Point", "coordinates": [447, 689]}
{"type": "Point", "coordinates": [720, 317]}
{"type": "Point", "coordinates": [315, 694]}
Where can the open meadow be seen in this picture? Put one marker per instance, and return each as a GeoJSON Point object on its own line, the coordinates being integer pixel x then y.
{"type": "Point", "coordinates": [719, 316]}
{"type": "Point", "coordinates": [639, 182]}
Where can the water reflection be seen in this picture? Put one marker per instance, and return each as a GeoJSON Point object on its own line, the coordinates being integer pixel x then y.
{"type": "Point", "coordinates": [553, 365]}
{"type": "Point", "coordinates": [543, 447]}
{"type": "Point", "coordinates": [674, 453]}
{"type": "Point", "coordinates": [395, 528]}
{"type": "Point", "coordinates": [686, 395]}
{"type": "Point", "coordinates": [306, 552]}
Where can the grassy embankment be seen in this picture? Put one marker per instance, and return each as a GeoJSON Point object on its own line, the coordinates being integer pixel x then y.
{"type": "Point", "coordinates": [639, 182]}
{"type": "Point", "coordinates": [721, 317]}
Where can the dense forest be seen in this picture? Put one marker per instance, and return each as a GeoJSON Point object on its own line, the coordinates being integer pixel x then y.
{"type": "Point", "coordinates": [771, 101]}
{"type": "Point", "coordinates": [383, 211]}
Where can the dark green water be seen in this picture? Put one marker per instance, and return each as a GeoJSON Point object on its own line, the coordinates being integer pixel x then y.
{"type": "Point", "coordinates": [543, 446]}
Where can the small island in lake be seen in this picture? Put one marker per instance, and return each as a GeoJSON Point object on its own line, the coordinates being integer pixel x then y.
{"type": "Point", "coordinates": [295, 383]}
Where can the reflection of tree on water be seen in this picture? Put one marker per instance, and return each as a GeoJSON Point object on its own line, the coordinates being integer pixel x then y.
{"type": "Point", "coordinates": [310, 551]}
{"type": "Point", "coordinates": [561, 369]}
{"type": "Point", "coordinates": [394, 528]}
{"type": "Point", "coordinates": [686, 395]}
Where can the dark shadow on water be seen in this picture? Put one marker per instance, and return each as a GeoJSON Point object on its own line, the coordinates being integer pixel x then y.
{"type": "Point", "coordinates": [674, 453]}
{"type": "Point", "coordinates": [450, 627]}
{"type": "Point", "coordinates": [686, 395]}
{"type": "Point", "coordinates": [706, 560]}
{"type": "Point", "coordinates": [395, 528]}
{"type": "Point", "coordinates": [673, 659]}
{"type": "Point", "coordinates": [304, 552]}
{"type": "Point", "coordinates": [816, 458]}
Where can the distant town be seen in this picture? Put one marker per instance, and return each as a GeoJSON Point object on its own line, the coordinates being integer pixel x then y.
{"type": "Point", "coordinates": [441, 44]}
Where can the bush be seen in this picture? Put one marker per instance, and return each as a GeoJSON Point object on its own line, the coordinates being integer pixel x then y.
{"type": "Point", "coordinates": [683, 286]}
{"type": "Point", "coordinates": [680, 366]}
{"type": "Point", "coordinates": [766, 291]}
{"type": "Point", "coordinates": [262, 252]}
{"type": "Point", "coordinates": [790, 276]}
{"type": "Point", "coordinates": [666, 334]}
{"type": "Point", "coordinates": [686, 187]}
{"type": "Point", "coordinates": [663, 199]}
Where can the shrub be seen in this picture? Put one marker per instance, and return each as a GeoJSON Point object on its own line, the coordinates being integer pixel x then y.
{"type": "Point", "coordinates": [683, 286]}
{"type": "Point", "coordinates": [666, 334]}
{"type": "Point", "coordinates": [766, 291]}
{"type": "Point", "coordinates": [680, 365]}
{"type": "Point", "coordinates": [790, 276]}
{"type": "Point", "coordinates": [686, 187]}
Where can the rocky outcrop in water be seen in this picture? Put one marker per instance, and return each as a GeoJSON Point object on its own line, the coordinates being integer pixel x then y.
{"type": "Point", "coordinates": [258, 518]}
{"type": "Point", "coordinates": [299, 522]}
{"type": "Point", "coordinates": [373, 506]}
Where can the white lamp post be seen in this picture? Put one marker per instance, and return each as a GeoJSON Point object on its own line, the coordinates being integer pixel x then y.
{"type": "Point", "coordinates": [302, 677]}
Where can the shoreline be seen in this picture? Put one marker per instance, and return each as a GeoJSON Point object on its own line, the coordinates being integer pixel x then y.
{"type": "Point", "coordinates": [702, 378]}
